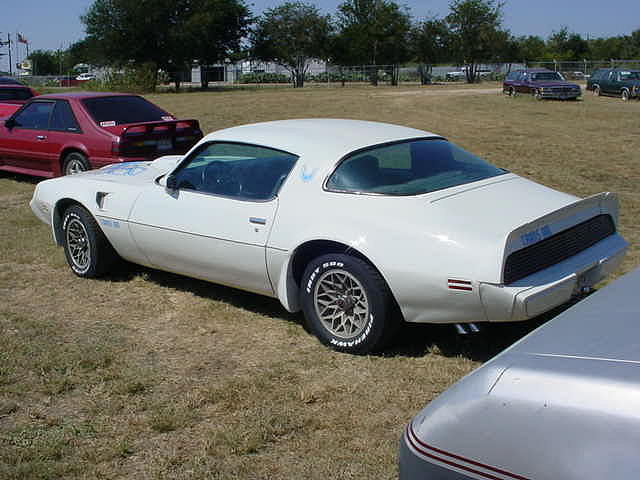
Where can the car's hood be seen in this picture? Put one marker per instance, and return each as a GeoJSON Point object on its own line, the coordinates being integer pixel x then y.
{"type": "Point", "coordinates": [552, 83]}
{"type": "Point", "coordinates": [590, 331]}
{"type": "Point", "coordinates": [569, 388]}
{"type": "Point", "coordinates": [132, 173]}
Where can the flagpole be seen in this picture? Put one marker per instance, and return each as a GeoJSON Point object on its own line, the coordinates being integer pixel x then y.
{"type": "Point", "coordinates": [10, 62]}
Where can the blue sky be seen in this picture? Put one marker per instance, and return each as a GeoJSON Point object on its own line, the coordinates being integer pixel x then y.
{"type": "Point", "coordinates": [53, 24]}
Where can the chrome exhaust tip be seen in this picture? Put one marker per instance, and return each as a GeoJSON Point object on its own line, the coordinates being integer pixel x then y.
{"type": "Point", "coordinates": [466, 328]}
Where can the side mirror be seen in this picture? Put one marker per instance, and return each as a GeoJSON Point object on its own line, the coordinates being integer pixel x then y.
{"type": "Point", "coordinates": [172, 183]}
{"type": "Point", "coordinates": [10, 123]}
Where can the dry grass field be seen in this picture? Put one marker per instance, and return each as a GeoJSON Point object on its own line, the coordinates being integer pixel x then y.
{"type": "Point", "coordinates": [149, 375]}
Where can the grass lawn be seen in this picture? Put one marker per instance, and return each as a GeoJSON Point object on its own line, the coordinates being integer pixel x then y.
{"type": "Point", "coordinates": [150, 375]}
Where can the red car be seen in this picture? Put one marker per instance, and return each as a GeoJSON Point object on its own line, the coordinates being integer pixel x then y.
{"type": "Point", "coordinates": [13, 96]}
{"type": "Point", "coordinates": [61, 134]}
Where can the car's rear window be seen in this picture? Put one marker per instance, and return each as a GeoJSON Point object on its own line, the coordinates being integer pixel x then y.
{"type": "Point", "coordinates": [409, 168]}
{"type": "Point", "coordinates": [546, 76]}
{"type": "Point", "coordinates": [118, 110]}
{"type": "Point", "coordinates": [15, 94]}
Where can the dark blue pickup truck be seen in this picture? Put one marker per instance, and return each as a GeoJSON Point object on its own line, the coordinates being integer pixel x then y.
{"type": "Point", "coordinates": [619, 82]}
{"type": "Point", "coordinates": [541, 83]}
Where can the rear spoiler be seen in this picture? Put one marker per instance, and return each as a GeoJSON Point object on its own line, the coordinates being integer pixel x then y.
{"type": "Point", "coordinates": [560, 220]}
{"type": "Point", "coordinates": [149, 127]}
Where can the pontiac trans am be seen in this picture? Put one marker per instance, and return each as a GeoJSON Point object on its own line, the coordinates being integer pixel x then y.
{"type": "Point", "coordinates": [361, 225]}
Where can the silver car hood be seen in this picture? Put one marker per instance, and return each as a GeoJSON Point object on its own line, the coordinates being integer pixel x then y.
{"type": "Point", "coordinates": [561, 403]}
{"type": "Point", "coordinates": [589, 331]}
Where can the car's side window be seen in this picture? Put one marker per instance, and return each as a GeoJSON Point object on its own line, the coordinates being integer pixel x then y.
{"type": "Point", "coordinates": [63, 118]}
{"type": "Point", "coordinates": [35, 116]}
{"type": "Point", "coordinates": [246, 172]}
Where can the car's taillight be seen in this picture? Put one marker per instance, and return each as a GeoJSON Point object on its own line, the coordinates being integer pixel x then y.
{"type": "Point", "coordinates": [115, 147]}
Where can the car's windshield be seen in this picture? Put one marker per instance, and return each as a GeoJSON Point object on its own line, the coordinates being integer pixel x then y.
{"type": "Point", "coordinates": [15, 94]}
{"type": "Point", "coordinates": [410, 168]}
{"type": "Point", "coordinates": [544, 76]}
{"type": "Point", "coordinates": [123, 109]}
{"type": "Point", "coordinates": [630, 75]}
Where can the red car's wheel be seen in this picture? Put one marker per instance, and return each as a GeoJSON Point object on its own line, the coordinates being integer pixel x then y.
{"type": "Point", "coordinates": [73, 163]}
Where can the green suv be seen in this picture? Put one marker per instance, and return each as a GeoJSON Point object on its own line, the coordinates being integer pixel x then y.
{"type": "Point", "coordinates": [621, 83]}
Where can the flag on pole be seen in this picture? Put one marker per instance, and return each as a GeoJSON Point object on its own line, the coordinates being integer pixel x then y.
{"type": "Point", "coordinates": [22, 39]}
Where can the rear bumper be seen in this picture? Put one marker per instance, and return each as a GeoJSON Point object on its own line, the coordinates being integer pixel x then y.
{"type": "Point", "coordinates": [554, 286]}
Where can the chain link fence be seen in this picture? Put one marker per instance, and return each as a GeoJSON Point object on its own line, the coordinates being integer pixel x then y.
{"type": "Point", "coordinates": [577, 70]}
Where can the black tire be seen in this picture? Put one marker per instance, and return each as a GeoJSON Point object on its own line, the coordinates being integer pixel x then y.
{"type": "Point", "coordinates": [87, 250]}
{"type": "Point", "coordinates": [624, 95]}
{"type": "Point", "coordinates": [537, 94]}
{"type": "Point", "coordinates": [74, 162]}
{"type": "Point", "coordinates": [596, 90]}
{"type": "Point", "coordinates": [359, 287]}
{"type": "Point", "coordinates": [512, 92]}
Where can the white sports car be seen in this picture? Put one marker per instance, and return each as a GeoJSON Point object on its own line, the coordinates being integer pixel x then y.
{"type": "Point", "coordinates": [359, 224]}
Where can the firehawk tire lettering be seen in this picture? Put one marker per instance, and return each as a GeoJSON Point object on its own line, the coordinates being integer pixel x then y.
{"type": "Point", "coordinates": [347, 287]}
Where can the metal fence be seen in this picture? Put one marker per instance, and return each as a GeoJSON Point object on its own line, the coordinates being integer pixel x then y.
{"type": "Point", "coordinates": [584, 67]}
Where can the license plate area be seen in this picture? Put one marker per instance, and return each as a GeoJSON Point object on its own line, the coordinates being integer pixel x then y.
{"type": "Point", "coordinates": [165, 144]}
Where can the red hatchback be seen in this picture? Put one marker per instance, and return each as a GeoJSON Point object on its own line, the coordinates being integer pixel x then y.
{"type": "Point", "coordinates": [55, 135]}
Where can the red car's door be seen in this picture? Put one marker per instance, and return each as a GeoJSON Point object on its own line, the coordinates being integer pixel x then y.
{"type": "Point", "coordinates": [25, 144]}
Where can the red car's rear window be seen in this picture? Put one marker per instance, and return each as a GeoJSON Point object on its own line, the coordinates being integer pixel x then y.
{"type": "Point", "coordinates": [120, 110]}
{"type": "Point", "coordinates": [15, 94]}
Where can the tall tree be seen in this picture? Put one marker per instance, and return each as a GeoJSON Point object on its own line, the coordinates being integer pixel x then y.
{"type": "Point", "coordinates": [158, 32]}
{"type": "Point", "coordinates": [531, 48]}
{"type": "Point", "coordinates": [215, 30]}
{"type": "Point", "coordinates": [475, 27]}
{"type": "Point", "coordinates": [292, 35]}
{"type": "Point", "coordinates": [564, 45]}
{"type": "Point", "coordinates": [44, 62]}
{"type": "Point", "coordinates": [374, 32]}
{"type": "Point", "coordinates": [429, 43]}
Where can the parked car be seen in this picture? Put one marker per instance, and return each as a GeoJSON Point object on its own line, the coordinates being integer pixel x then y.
{"type": "Point", "coordinates": [9, 81]}
{"type": "Point", "coordinates": [621, 83]}
{"type": "Point", "coordinates": [358, 224]}
{"type": "Point", "coordinates": [61, 134]}
{"type": "Point", "coordinates": [13, 96]}
{"type": "Point", "coordinates": [462, 74]}
{"type": "Point", "coordinates": [86, 77]}
{"type": "Point", "coordinates": [541, 83]}
{"type": "Point", "coordinates": [560, 404]}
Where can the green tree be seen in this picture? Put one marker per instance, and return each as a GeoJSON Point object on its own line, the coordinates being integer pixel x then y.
{"type": "Point", "coordinates": [564, 45]}
{"type": "Point", "coordinates": [291, 35]}
{"type": "Point", "coordinates": [44, 62]}
{"type": "Point", "coordinates": [374, 32]}
{"type": "Point", "coordinates": [167, 34]}
{"type": "Point", "coordinates": [215, 30]}
{"type": "Point", "coordinates": [429, 43]}
{"type": "Point", "coordinates": [475, 27]}
{"type": "Point", "coordinates": [531, 48]}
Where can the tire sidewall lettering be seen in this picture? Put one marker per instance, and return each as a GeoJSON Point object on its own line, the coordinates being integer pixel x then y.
{"type": "Point", "coordinates": [354, 343]}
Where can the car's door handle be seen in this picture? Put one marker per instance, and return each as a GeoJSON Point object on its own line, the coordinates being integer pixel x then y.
{"type": "Point", "coordinates": [258, 221]}
{"type": "Point", "coordinates": [41, 137]}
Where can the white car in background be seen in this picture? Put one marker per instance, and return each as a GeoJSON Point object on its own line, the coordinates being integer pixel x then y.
{"type": "Point", "coordinates": [86, 77]}
{"type": "Point", "coordinates": [359, 224]}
